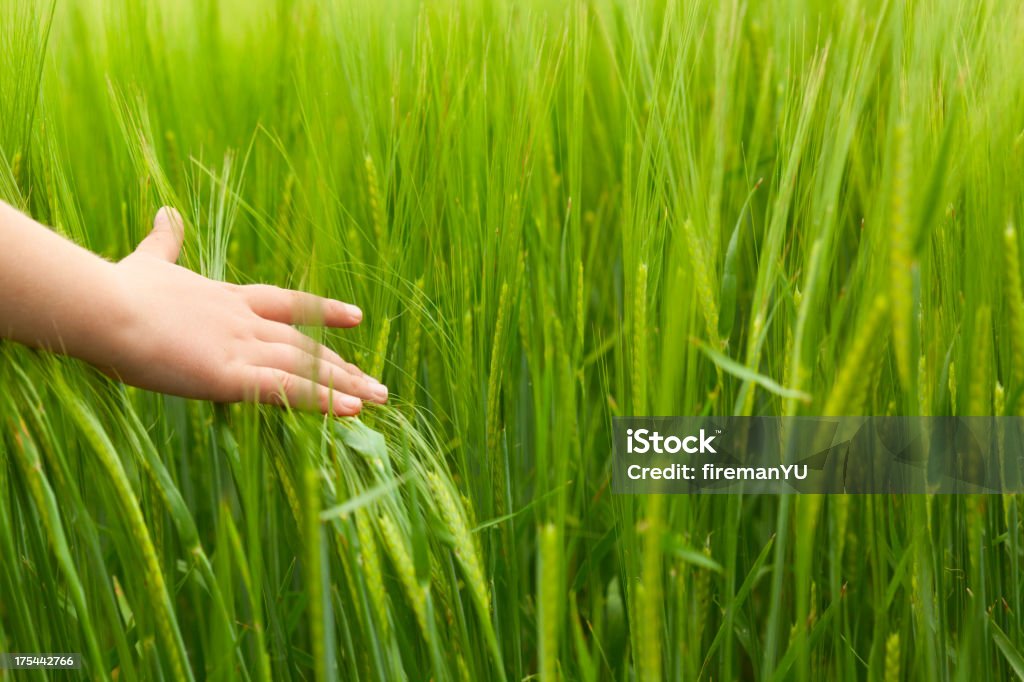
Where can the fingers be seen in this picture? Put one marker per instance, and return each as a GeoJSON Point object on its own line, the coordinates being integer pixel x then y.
{"type": "Point", "coordinates": [297, 361]}
{"type": "Point", "coordinates": [274, 332]}
{"type": "Point", "coordinates": [297, 307]}
{"type": "Point", "coordinates": [278, 387]}
{"type": "Point", "coordinates": [164, 242]}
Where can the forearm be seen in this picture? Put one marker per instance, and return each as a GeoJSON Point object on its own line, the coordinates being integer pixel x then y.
{"type": "Point", "coordinates": [53, 293]}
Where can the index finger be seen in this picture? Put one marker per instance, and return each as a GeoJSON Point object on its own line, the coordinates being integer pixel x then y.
{"type": "Point", "coordinates": [298, 307]}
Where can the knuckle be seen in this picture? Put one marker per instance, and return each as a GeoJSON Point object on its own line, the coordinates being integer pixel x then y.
{"type": "Point", "coordinates": [286, 382]}
{"type": "Point", "coordinates": [360, 386]}
{"type": "Point", "coordinates": [307, 344]}
{"type": "Point", "coordinates": [228, 382]}
{"type": "Point", "coordinates": [323, 399]}
{"type": "Point", "coordinates": [259, 292]}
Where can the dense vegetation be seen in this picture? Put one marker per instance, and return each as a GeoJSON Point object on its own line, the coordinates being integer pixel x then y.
{"type": "Point", "coordinates": [552, 214]}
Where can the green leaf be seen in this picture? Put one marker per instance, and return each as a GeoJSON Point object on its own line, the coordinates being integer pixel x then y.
{"type": "Point", "coordinates": [730, 366]}
{"type": "Point", "coordinates": [1012, 653]}
{"type": "Point", "coordinates": [359, 437]}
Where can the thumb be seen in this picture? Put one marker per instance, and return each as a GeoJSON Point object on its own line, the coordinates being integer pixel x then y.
{"type": "Point", "coordinates": [164, 241]}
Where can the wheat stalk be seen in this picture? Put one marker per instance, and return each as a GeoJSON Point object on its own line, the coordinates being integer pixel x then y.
{"type": "Point", "coordinates": [380, 349]}
{"type": "Point", "coordinates": [370, 561]}
{"type": "Point", "coordinates": [377, 207]}
{"type": "Point", "coordinates": [414, 334]}
{"type": "Point", "coordinates": [979, 394]}
{"type": "Point", "coordinates": [549, 596]}
{"type": "Point", "coordinates": [900, 258]}
{"type": "Point", "coordinates": [851, 386]}
{"type": "Point", "coordinates": [1015, 311]}
{"type": "Point", "coordinates": [704, 274]}
{"type": "Point", "coordinates": [892, 658]}
{"type": "Point", "coordinates": [416, 593]}
{"type": "Point", "coordinates": [639, 348]}
{"type": "Point", "coordinates": [465, 548]}
{"type": "Point", "coordinates": [493, 399]}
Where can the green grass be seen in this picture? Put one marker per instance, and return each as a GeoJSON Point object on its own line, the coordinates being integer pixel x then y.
{"type": "Point", "coordinates": [552, 214]}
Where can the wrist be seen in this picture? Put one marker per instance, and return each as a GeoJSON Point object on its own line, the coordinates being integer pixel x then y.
{"type": "Point", "coordinates": [101, 328]}
{"type": "Point", "coordinates": [59, 296]}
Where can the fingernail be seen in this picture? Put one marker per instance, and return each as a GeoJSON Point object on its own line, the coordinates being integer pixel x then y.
{"type": "Point", "coordinates": [353, 310]}
{"type": "Point", "coordinates": [351, 402]}
{"type": "Point", "coordinates": [380, 392]}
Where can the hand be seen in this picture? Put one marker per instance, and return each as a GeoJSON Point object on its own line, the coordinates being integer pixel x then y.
{"type": "Point", "coordinates": [181, 333]}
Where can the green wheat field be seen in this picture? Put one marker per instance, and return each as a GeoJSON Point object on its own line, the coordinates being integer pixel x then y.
{"type": "Point", "coordinates": [552, 214]}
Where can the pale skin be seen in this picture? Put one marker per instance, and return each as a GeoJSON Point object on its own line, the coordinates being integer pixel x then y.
{"type": "Point", "coordinates": [151, 323]}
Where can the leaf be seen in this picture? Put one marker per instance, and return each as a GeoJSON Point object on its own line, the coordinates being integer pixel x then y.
{"type": "Point", "coordinates": [730, 366]}
{"type": "Point", "coordinates": [679, 549]}
{"type": "Point", "coordinates": [361, 500]}
{"type": "Point", "coordinates": [1012, 654]}
{"type": "Point", "coordinates": [804, 641]}
{"type": "Point", "coordinates": [359, 437]}
{"type": "Point", "coordinates": [739, 598]}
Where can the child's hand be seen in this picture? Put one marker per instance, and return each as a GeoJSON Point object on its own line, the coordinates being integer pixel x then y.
{"type": "Point", "coordinates": [161, 327]}
{"type": "Point", "coordinates": [181, 333]}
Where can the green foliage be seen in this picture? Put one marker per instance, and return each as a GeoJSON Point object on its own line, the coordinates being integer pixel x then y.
{"type": "Point", "coordinates": [552, 214]}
